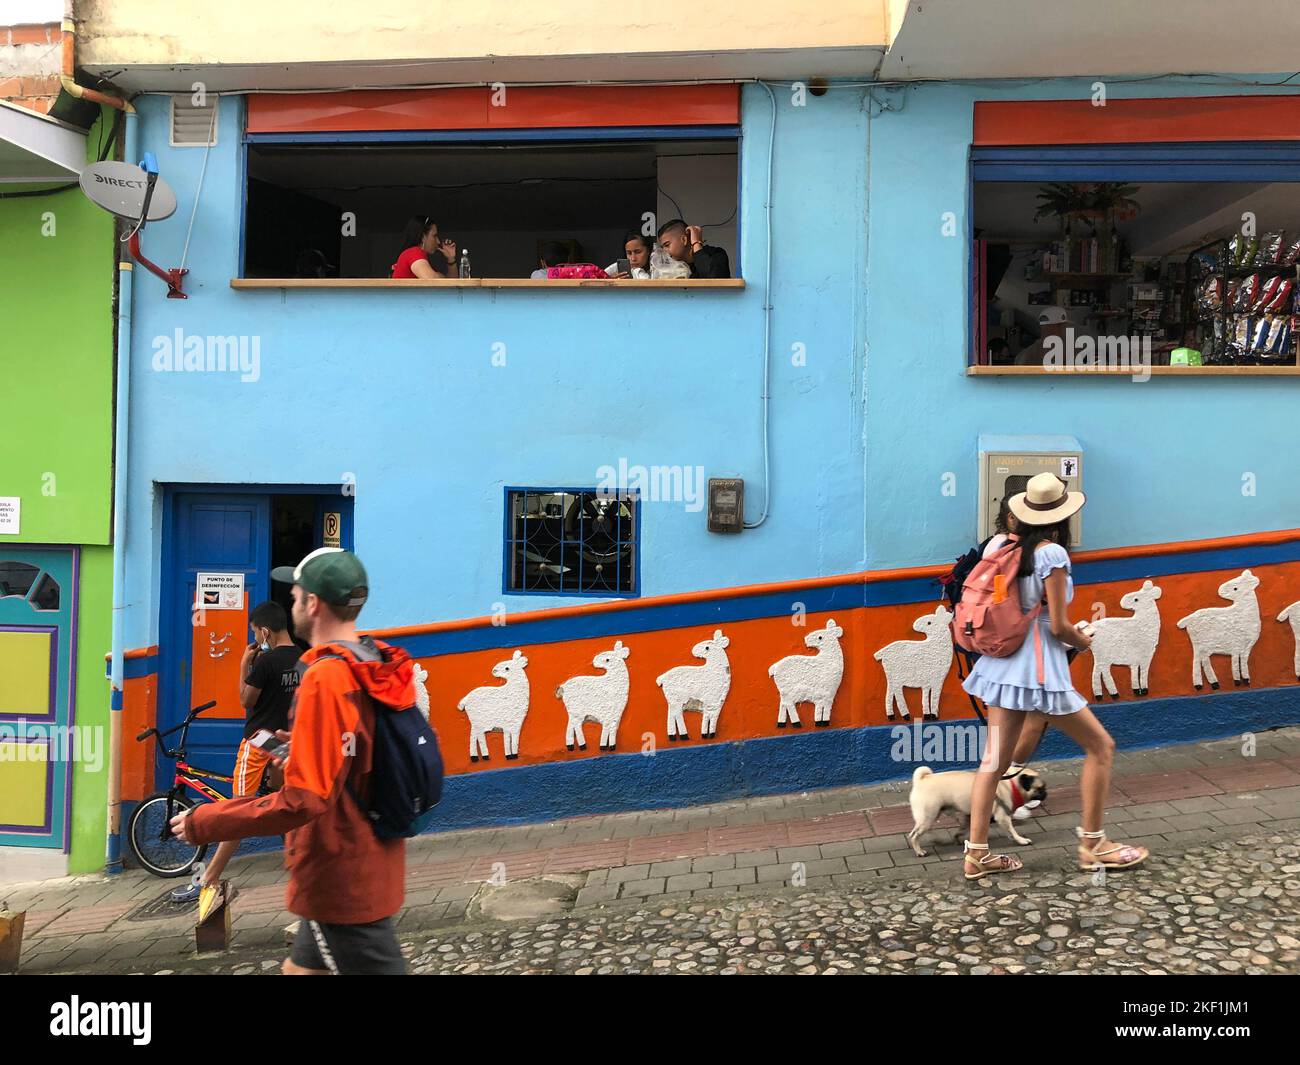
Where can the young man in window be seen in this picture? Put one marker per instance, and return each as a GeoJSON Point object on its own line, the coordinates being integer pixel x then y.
{"type": "Point", "coordinates": [686, 244]}
{"type": "Point", "coordinates": [268, 677]}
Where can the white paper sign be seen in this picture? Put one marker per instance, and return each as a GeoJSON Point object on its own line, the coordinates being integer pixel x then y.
{"type": "Point", "coordinates": [1069, 466]}
{"type": "Point", "coordinates": [10, 507]}
{"type": "Point", "coordinates": [219, 591]}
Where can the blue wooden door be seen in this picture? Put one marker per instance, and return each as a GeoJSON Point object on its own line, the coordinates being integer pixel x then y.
{"type": "Point", "coordinates": [37, 615]}
{"type": "Point", "coordinates": [200, 644]}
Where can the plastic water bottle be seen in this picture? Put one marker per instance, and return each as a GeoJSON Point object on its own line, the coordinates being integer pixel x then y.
{"type": "Point", "coordinates": [464, 262]}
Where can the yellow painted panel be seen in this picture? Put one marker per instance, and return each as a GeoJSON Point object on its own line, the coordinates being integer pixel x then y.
{"type": "Point", "coordinates": [22, 784]}
{"type": "Point", "coordinates": [25, 666]}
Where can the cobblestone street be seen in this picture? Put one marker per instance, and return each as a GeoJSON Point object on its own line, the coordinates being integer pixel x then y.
{"type": "Point", "coordinates": [834, 888]}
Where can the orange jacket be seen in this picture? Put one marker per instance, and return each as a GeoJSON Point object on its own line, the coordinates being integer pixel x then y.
{"type": "Point", "coordinates": [339, 872]}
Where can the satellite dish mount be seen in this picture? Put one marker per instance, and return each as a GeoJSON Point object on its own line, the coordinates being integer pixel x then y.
{"type": "Point", "coordinates": [137, 195]}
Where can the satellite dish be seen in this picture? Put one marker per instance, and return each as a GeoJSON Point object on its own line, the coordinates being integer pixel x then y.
{"type": "Point", "coordinates": [120, 189]}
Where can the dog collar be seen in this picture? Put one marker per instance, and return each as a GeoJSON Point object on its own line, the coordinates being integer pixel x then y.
{"type": "Point", "coordinates": [1017, 800]}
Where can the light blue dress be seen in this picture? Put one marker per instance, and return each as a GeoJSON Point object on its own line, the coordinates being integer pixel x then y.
{"type": "Point", "coordinates": [1012, 682]}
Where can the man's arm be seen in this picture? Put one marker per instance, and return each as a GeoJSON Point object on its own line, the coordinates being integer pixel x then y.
{"type": "Point", "coordinates": [251, 681]}
{"type": "Point", "coordinates": [324, 719]}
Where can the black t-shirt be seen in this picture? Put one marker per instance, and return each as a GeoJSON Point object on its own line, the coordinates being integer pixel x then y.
{"type": "Point", "coordinates": [710, 262]}
{"type": "Point", "coordinates": [275, 673]}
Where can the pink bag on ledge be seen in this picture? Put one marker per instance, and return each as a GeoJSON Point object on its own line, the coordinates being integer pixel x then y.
{"type": "Point", "coordinates": [571, 271]}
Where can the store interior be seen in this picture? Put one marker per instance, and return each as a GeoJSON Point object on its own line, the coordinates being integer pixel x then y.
{"type": "Point", "coordinates": [1195, 273]}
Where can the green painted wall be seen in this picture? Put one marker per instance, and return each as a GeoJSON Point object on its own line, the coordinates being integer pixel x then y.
{"type": "Point", "coordinates": [56, 363]}
{"type": "Point", "coordinates": [90, 782]}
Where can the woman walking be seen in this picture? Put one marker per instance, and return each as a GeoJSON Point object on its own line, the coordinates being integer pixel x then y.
{"type": "Point", "coordinates": [1021, 684]}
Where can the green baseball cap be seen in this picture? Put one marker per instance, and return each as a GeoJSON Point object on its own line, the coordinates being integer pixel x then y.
{"type": "Point", "coordinates": [337, 576]}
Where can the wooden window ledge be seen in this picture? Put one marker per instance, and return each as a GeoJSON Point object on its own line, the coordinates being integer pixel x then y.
{"type": "Point", "coordinates": [690, 284]}
{"type": "Point", "coordinates": [1130, 371]}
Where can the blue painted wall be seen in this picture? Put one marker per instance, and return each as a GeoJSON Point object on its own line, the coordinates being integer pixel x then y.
{"type": "Point", "coordinates": [398, 387]}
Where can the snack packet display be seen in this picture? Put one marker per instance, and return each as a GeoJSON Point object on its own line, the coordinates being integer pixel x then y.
{"type": "Point", "coordinates": [1234, 290]}
{"type": "Point", "coordinates": [1247, 294]}
{"type": "Point", "coordinates": [1248, 256]}
{"type": "Point", "coordinates": [1270, 249]}
{"type": "Point", "coordinates": [1209, 297]}
{"type": "Point", "coordinates": [1236, 249]}
{"type": "Point", "coordinates": [1267, 291]}
{"type": "Point", "coordinates": [1291, 255]}
{"type": "Point", "coordinates": [1281, 301]}
{"type": "Point", "coordinates": [1259, 334]}
{"type": "Point", "coordinates": [1278, 334]}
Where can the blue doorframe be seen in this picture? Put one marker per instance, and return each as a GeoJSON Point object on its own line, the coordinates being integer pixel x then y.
{"type": "Point", "coordinates": [218, 528]}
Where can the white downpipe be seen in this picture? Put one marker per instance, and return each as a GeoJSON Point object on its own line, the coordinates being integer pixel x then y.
{"type": "Point", "coordinates": [767, 323]}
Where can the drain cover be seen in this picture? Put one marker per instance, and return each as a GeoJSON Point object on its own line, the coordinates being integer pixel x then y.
{"type": "Point", "coordinates": [523, 899]}
{"type": "Point", "coordinates": [161, 908]}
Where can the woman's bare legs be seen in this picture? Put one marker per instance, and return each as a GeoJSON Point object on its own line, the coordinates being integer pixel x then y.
{"type": "Point", "coordinates": [1031, 735]}
{"type": "Point", "coordinates": [1003, 732]}
{"type": "Point", "coordinates": [1098, 757]}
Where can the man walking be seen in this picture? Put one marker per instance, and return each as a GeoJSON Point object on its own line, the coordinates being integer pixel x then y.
{"type": "Point", "coordinates": [344, 882]}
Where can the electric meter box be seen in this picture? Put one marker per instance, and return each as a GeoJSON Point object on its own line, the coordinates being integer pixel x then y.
{"type": "Point", "coordinates": [1007, 463]}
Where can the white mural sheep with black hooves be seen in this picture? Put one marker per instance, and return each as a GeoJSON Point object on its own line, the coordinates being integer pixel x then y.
{"type": "Point", "coordinates": [703, 688]}
{"type": "Point", "coordinates": [498, 708]}
{"type": "Point", "coordinates": [1225, 630]}
{"type": "Point", "coordinates": [1292, 614]}
{"type": "Point", "coordinates": [813, 678]}
{"type": "Point", "coordinates": [920, 664]}
{"type": "Point", "coordinates": [600, 699]}
{"type": "Point", "coordinates": [1127, 642]}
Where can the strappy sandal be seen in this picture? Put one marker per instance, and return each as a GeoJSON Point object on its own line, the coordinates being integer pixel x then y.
{"type": "Point", "coordinates": [989, 863]}
{"type": "Point", "coordinates": [1126, 855]}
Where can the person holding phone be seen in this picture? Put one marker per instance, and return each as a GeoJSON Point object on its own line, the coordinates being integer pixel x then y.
{"type": "Point", "coordinates": [424, 253]}
{"type": "Point", "coordinates": [636, 261]}
{"type": "Point", "coordinates": [268, 678]}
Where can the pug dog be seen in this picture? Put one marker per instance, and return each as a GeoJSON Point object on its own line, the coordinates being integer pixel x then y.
{"type": "Point", "coordinates": [932, 793]}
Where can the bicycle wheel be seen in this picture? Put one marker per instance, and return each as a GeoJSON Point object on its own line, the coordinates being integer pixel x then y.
{"type": "Point", "coordinates": [149, 836]}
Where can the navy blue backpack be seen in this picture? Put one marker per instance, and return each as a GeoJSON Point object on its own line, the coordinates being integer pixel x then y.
{"type": "Point", "coordinates": [405, 774]}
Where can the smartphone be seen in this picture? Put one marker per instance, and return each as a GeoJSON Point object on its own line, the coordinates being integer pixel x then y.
{"type": "Point", "coordinates": [267, 741]}
{"type": "Point", "coordinates": [623, 266]}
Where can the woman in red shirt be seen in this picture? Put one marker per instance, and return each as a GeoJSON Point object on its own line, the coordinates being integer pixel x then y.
{"type": "Point", "coordinates": [423, 254]}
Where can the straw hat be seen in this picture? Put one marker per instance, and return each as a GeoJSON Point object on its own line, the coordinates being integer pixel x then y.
{"type": "Point", "coordinates": [1045, 501]}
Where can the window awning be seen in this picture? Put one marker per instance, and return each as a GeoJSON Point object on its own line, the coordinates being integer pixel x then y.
{"type": "Point", "coordinates": [37, 150]}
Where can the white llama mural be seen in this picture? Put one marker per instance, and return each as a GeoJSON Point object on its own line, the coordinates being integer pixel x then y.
{"type": "Point", "coordinates": [920, 664]}
{"type": "Point", "coordinates": [813, 678]}
{"type": "Point", "coordinates": [421, 692]}
{"type": "Point", "coordinates": [498, 708]}
{"type": "Point", "coordinates": [1292, 614]}
{"type": "Point", "coordinates": [703, 688]}
{"type": "Point", "coordinates": [1225, 630]}
{"type": "Point", "coordinates": [1127, 642]}
{"type": "Point", "coordinates": [601, 699]}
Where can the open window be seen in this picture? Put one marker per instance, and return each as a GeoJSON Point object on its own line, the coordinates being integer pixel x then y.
{"type": "Point", "coordinates": [1164, 271]}
{"type": "Point", "coordinates": [339, 210]}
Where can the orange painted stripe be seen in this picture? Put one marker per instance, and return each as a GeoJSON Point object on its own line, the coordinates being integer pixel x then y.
{"type": "Point", "coordinates": [530, 107]}
{"type": "Point", "coordinates": [868, 577]}
{"type": "Point", "coordinates": [1198, 118]}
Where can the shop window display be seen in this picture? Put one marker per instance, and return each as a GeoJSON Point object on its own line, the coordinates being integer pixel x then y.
{"type": "Point", "coordinates": [1169, 273]}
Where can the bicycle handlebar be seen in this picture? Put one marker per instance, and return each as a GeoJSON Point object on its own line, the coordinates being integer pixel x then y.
{"type": "Point", "coordinates": [194, 712]}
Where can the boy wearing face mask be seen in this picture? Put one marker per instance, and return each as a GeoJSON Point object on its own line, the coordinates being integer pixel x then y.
{"type": "Point", "coordinates": [268, 678]}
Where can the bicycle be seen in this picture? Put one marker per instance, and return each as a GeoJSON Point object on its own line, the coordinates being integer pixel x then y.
{"type": "Point", "coordinates": [149, 831]}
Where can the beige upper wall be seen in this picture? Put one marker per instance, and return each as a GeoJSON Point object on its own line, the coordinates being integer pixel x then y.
{"type": "Point", "coordinates": [254, 32]}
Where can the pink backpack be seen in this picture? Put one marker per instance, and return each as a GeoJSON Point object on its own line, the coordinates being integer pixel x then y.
{"type": "Point", "coordinates": [988, 618]}
{"type": "Point", "coordinates": [583, 271]}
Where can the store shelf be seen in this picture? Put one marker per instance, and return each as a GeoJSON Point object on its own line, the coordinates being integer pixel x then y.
{"type": "Point", "coordinates": [1085, 277]}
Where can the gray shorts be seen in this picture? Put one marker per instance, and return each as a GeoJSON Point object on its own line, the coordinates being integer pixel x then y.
{"type": "Point", "coordinates": [349, 949]}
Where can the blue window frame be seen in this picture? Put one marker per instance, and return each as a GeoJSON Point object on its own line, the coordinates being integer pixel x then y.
{"type": "Point", "coordinates": [572, 542]}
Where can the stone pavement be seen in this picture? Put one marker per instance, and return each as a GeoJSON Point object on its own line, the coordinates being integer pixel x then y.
{"type": "Point", "coordinates": [789, 883]}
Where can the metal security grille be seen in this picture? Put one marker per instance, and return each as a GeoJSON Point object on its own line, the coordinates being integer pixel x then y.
{"type": "Point", "coordinates": [193, 127]}
{"type": "Point", "coordinates": [571, 541]}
